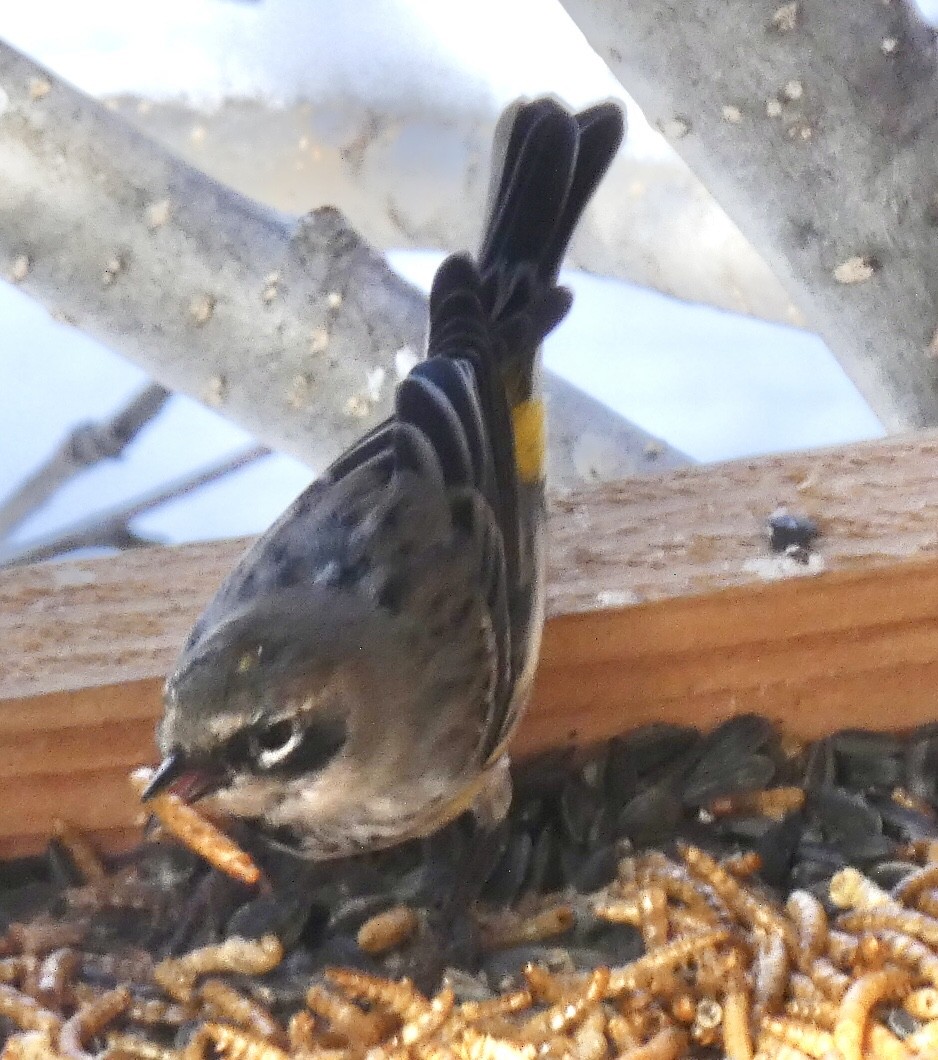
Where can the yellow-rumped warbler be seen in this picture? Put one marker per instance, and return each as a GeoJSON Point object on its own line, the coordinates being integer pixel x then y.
{"type": "Point", "coordinates": [356, 678]}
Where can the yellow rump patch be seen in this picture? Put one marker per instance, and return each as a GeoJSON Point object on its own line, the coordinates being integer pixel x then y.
{"type": "Point", "coordinates": [529, 422]}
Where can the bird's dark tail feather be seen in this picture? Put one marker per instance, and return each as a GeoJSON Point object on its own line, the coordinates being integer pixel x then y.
{"type": "Point", "coordinates": [496, 310]}
{"type": "Point", "coordinates": [476, 397]}
{"type": "Point", "coordinates": [547, 163]}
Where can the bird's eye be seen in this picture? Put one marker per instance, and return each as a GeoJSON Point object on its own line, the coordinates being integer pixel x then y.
{"type": "Point", "coordinates": [271, 745]}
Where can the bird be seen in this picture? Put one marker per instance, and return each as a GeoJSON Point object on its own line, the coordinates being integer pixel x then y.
{"type": "Point", "coordinates": [357, 678]}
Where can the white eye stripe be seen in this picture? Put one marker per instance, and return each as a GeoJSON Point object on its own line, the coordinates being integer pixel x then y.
{"type": "Point", "coordinates": [267, 757]}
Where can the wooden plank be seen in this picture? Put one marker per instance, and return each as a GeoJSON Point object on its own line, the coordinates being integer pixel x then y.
{"type": "Point", "coordinates": [104, 621]}
{"type": "Point", "coordinates": [849, 648]}
{"type": "Point", "coordinates": [844, 649]}
{"type": "Point", "coordinates": [711, 630]}
{"type": "Point", "coordinates": [698, 530]}
{"type": "Point", "coordinates": [703, 529]}
{"type": "Point", "coordinates": [109, 840]}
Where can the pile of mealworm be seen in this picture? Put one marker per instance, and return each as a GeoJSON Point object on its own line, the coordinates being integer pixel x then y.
{"type": "Point", "coordinates": [726, 967]}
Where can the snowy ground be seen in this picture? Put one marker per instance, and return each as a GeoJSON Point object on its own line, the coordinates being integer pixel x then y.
{"type": "Point", "coordinates": [712, 384]}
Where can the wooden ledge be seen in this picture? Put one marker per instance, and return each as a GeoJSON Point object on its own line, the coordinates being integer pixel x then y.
{"type": "Point", "coordinates": [665, 602]}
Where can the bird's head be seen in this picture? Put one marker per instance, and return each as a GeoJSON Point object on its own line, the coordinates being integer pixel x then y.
{"type": "Point", "coordinates": [269, 691]}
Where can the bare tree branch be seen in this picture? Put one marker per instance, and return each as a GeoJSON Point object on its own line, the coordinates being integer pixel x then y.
{"type": "Point", "coordinates": [410, 176]}
{"type": "Point", "coordinates": [591, 446]}
{"type": "Point", "coordinates": [85, 445]}
{"type": "Point", "coordinates": [111, 528]}
{"type": "Point", "coordinates": [814, 124]}
{"type": "Point", "coordinates": [214, 295]}
{"type": "Point", "coordinates": [296, 330]}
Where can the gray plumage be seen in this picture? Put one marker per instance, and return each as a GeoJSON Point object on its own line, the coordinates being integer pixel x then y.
{"type": "Point", "coordinates": [357, 676]}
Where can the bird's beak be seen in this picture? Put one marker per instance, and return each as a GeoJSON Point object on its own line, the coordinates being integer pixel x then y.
{"type": "Point", "coordinates": [187, 778]}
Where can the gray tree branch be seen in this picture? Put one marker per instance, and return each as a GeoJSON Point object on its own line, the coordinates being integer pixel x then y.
{"type": "Point", "coordinates": [83, 447]}
{"type": "Point", "coordinates": [295, 329]}
{"type": "Point", "coordinates": [111, 528]}
{"type": "Point", "coordinates": [414, 175]}
{"type": "Point", "coordinates": [814, 124]}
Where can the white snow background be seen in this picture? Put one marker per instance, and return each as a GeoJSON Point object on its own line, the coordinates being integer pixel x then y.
{"type": "Point", "coordinates": [713, 384]}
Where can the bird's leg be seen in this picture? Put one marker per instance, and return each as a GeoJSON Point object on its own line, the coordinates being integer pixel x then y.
{"type": "Point", "coordinates": [459, 861]}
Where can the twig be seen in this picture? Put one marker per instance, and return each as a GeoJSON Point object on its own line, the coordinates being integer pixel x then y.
{"type": "Point", "coordinates": [110, 529]}
{"type": "Point", "coordinates": [86, 445]}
